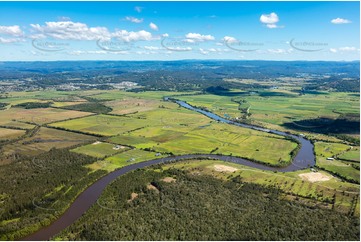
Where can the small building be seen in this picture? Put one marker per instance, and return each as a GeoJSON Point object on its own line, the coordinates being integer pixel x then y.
{"type": "Point", "coordinates": [158, 154]}
{"type": "Point", "coordinates": [330, 158]}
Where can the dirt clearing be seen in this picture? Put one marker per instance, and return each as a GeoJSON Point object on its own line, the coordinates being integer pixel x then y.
{"type": "Point", "coordinates": [168, 179]}
{"type": "Point", "coordinates": [225, 168]}
{"type": "Point", "coordinates": [314, 176]}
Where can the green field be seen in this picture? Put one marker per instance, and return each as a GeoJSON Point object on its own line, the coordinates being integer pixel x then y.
{"type": "Point", "coordinates": [351, 155]}
{"type": "Point", "coordinates": [274, 110]}
{"type": "Point", "coordinates": [125, 158]}
{"type": "Point", "coordinates": [343, 169]}
{"type": "Point", "coordinates": [99, 149]}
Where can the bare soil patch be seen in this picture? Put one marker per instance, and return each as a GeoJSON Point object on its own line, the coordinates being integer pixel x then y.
{"type": "Point", "coordinates": [168, 179]}
{"type": "Point", "coordinates": [314, 176]}
{"type": "Point", "coordinates": [221, 168]}
{"type": "Point", "coordinates": [132, 196]}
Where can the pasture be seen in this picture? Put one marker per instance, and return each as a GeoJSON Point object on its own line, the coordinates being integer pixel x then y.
{"type": "Point", "coordinates": [99, 149]}
{"type": "Point", "coordinates": [45, 139]}
{"type": "Point", "coordinates": [123, 159]}
{"type": "Point", "coordinates": [10, 133]}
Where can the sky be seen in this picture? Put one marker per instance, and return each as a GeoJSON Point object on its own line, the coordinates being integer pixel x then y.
{"type": "Point", "coordinates": [49, 31]}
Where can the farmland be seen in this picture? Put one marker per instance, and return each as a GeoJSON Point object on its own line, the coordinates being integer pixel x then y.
{"type": "Point", "coordinates": [108, 130]}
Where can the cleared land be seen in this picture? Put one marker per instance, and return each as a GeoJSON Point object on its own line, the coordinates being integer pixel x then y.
{"type": "Point", "coordinates": [10, 133]}
{"type": "Point", "coordinates": [124, 159]}
{"type": "Point", "coordinates": [45, 139]}
{"type": "Point", "coordinates": [99, 149]}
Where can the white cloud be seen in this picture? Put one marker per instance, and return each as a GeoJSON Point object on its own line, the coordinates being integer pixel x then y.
{"type": "Point", "coordinates": [133, 19]}
{"type": "Point", "coordinates": [138, 9]}
{"type": "Point", "coordinates": [204, 52]}
{"type": "Point", "coordinates": [340, 21]}
{"type": "Point", "coordinates": [347, 48]}
{"type": "Point", "coordinates": [132, 36]}
{"type": "Point", "coordinates": [10, 40]}
{"type": "Point", "coordinates": [153, 26]}
{"type": "Point", "coordinates": [71, 31]}
{"type": "Point", "coordinates": [151, 48]}
{"type": "Point", "coordinates": [195, 37]}
{"type": "Point", "coordinates": [344, 49]}
{"type": "Point", "coordinates": [11, 30]}
{"type": "Point", "coordinates": [79, 31]}
{"type": "Point", "coordinates": [229, 40]}
{"type": "Point", "coordinates": [279, 51]}
{"type": "Point", "coordinates": [270, 20]}
{"type": "Point", "coordinates": [165, 35]}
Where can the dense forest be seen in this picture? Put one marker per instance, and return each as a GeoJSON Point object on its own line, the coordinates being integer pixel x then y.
{"type": "Point", "coordinates": [142, 205]}
{"type": "Point", "coordinates": [38, 189]}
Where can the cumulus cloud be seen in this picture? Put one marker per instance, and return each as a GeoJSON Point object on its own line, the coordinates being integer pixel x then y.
{"type": "Point", "coordinates": [134, 20]}
{"type": "Point", "coordinates": [195, 37]}
{"type": "Point", "coordinates": [79, 31]}
{"type": "Point", "coordinates": [333, 50]}
{"type": "Point", "coordinates": [132, 36]}
{"type": "Point", "coordinates": [70, 30]}
{"type": "Point", "coordinates": [11, 30]}
{"type": "Point", "coordinates": [229, 39]}
{"type": "Point", "coordinates": [340, 21]}
{"type": "Point", "coordinates": [270, 20]}
{"type": "Point", "coordinates": [153, 26]}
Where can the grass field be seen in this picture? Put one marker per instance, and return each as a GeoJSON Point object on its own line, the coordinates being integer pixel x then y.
{"type": "Point", "coordinates": [99, 149]}
{"type": "Point", "coordinates": [106, 125]}
{"type": "Point", "coordinates": [10, 133]}
{"type": "Point", "coordinates": [274, 110]}
{"type": "Point", "coordinates": [123, 159]}
{"type": "Point", "coordinates": [38, 115]}
{"type": "Point", "coordinates": [345, 170]}
{"type": "Point", "coordinates": [351, 155]}
{"type": "Point", "coordinates": [44, 140]}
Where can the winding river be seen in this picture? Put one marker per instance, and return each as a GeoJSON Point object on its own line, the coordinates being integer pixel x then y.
{"type": "Point", "coordinates": [304, 159]}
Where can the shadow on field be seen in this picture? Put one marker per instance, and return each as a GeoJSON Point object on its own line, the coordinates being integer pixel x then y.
{"type": "Point", "coordinates": [346, 124]}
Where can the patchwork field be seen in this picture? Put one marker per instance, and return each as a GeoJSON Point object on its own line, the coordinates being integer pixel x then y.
{"type": "Point", "coordinates": [274, 109]}
{"type": "Point", "coordinates": [45, 139]}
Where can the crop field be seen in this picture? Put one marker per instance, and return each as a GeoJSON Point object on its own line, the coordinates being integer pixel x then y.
{"type": "Point", "coordinates": [130, 105]}
{"type": "Point", "coordinates": [45, 139]}
{"type": "Point", "coordinates": [123, 159]}
{"type": "Point", "coordinates": [290, 183]}
{"type": "Point", "coordinates": [10, 133]}
{"type": "Point", "coordinates": [38, 115]}
{"type": "Point", "coordinates": [99, 149]}
{"type": "Point", "coordinates": [275, 110]}
{"type": "Point", "coordinates": [106, 125]}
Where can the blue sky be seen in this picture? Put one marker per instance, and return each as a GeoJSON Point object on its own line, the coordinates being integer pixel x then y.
{"type": "Point", "coordinates": [179, 30]}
